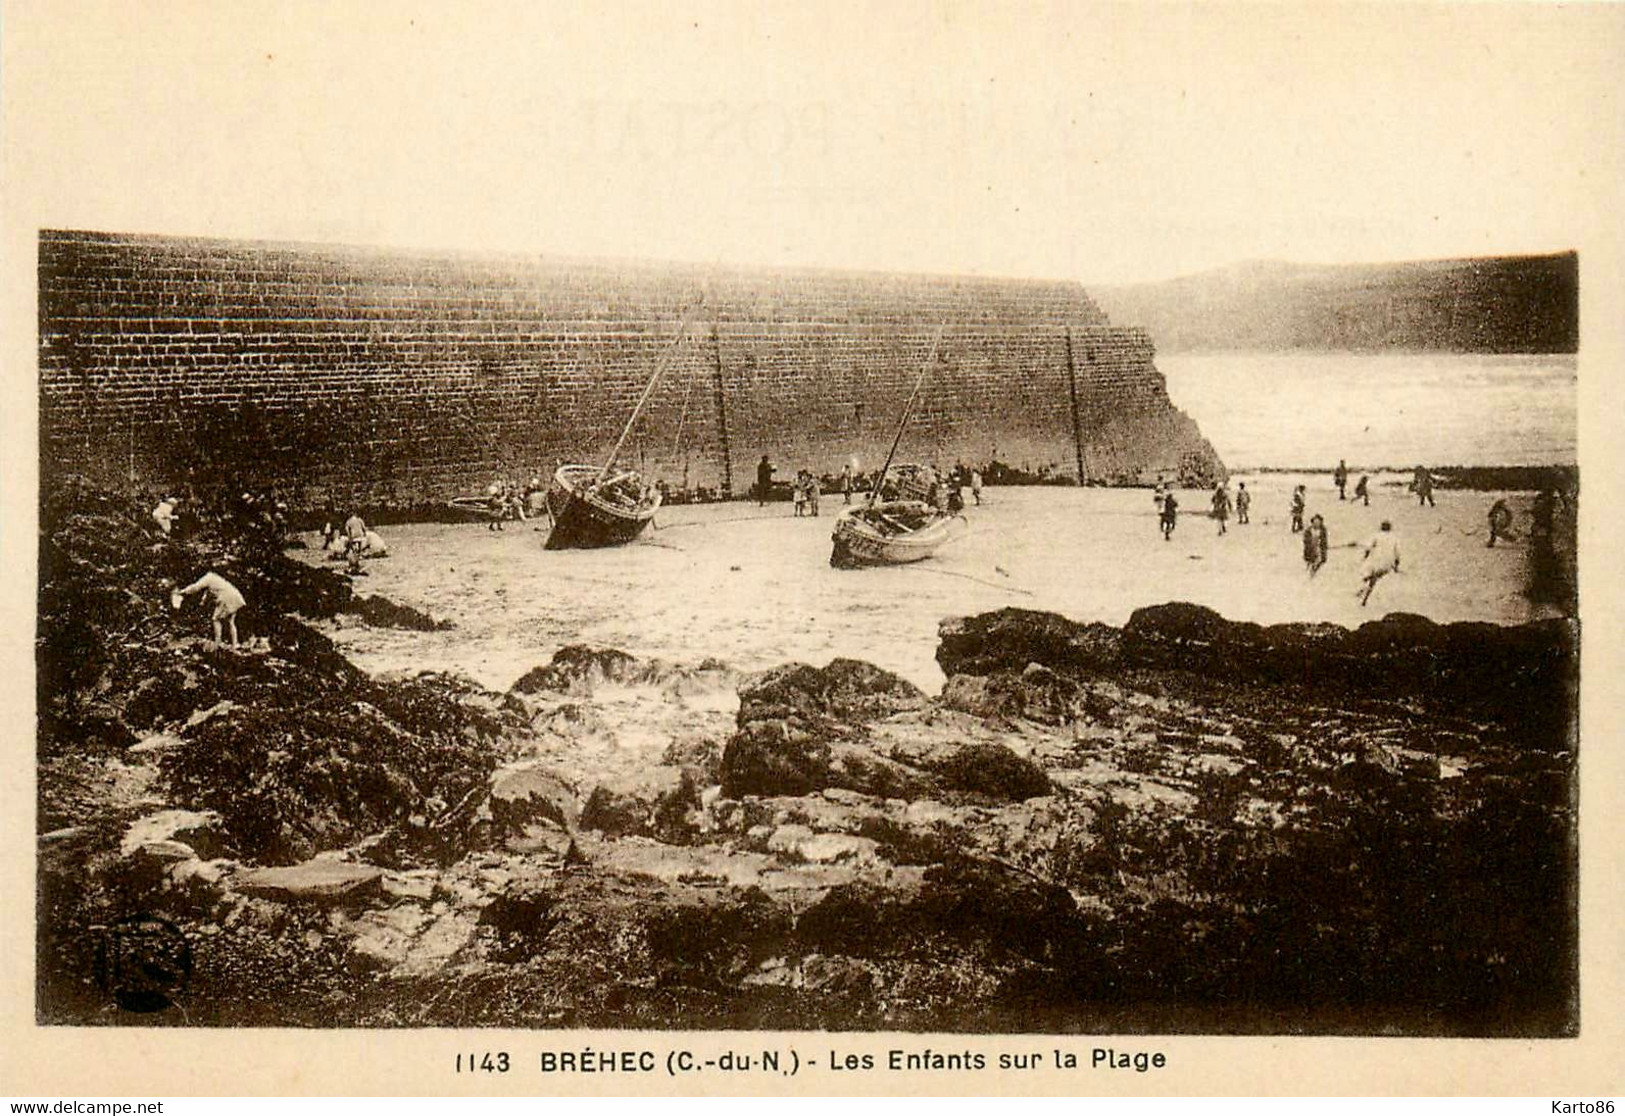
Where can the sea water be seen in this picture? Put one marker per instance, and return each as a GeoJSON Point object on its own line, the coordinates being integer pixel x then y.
{"type": "Point", "coordinates": [1309, 409]}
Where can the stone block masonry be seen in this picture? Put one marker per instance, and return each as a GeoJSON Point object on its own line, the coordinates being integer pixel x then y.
{"type": "Point", "coordinates": [401, 378]}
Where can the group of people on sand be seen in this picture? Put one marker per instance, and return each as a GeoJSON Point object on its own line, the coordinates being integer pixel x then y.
{"type": "Point", "coordinates": [351, 539]}
{"type": "Point", "coordinates": [250, 514]}
{"type": "Point", "coordinates": [945, 493]}
{"type": "Point", "coordinates": [805, 492]}
{"type": "Point", "coordinates": [1362, 488]}
{"type": "Point", "coordinates": [1380, 555]}
{"type": "Point", "coordinates": [1222, 503]}
{"type": "Point", "coordinates": [509, 501]}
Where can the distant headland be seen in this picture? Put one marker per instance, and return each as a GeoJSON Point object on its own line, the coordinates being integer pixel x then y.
{"type": "Point", "coordinates": [1502, 304]}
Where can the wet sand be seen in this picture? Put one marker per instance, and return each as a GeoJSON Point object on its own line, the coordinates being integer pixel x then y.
{"type": "Point", "coordinates": [753, 586]}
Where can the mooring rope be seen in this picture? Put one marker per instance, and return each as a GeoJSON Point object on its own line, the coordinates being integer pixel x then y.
{"type": "Point", "coordinates": [972, 577]}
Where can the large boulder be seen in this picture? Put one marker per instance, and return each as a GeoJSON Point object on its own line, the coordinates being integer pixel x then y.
{"type": "Point", "coordinates": [1009, 639]}
{"type": "Point", "coordinates": [765, 759]}
{"type": "Point", "coordinates": [801, 730]}
{"type": "Point", "coordinates": [1036, 693]}
{"type": "Point", "coordinates": [1181, 636]}
{"type": "Point", "coordinates": [529, 794]}
{"type": "Point", "coordinates": [847, 690]}
{"type": "Point", "coordinates": [658, 802]}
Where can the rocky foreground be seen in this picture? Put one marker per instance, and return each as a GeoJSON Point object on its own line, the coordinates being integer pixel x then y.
{"type": "Point", "coordinates": [1182, 824]}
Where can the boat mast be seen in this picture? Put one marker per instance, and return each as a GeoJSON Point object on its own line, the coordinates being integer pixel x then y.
{"type": "Point", "coordinates": [660, 367]}
{"type": "Point", "coordinates": [908, 408]}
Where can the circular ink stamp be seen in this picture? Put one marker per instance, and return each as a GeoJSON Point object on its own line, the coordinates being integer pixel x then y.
{"type": "Point", "coordinates": [143, 961]}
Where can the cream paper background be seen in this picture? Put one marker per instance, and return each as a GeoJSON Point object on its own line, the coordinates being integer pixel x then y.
{"type": "Point", "coordinates": [861, 135]}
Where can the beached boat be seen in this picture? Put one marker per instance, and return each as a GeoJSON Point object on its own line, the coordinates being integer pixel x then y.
{"type": "Point", "coordinates": [598, 505]}
{"type": "Point", "coordinates": [894, 532]}
{"type": "Point", "coordinates": [914, 482]}
{"type": "Point", "coordinates": [588, 511]}
{"type": "Point", "coordinates": [889, 533]}
{"type": "Point", "coordinates": [479, 507]}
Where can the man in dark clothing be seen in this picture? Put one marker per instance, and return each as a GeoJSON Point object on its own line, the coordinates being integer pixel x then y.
{"type": "Point", "coordinates": [1170, 515]}
{"type": "Point", "coordinates": [1362, 491]}
{"type": "Point", "coordinates": [764, 481]}
{"type": "Point", "coordinates": [1423, 483]}
{"type": "Point", "coordinates": [1341, 477]}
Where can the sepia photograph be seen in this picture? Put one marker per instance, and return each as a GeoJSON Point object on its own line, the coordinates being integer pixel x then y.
{"type": "Point", "coordinates": [945, 521]}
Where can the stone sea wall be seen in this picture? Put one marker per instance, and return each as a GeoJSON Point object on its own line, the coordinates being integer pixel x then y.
{"type": "Point", "coordinates": [405, 377]}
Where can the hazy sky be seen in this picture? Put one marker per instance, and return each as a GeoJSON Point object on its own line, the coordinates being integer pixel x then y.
{"type": "Point", "coordinates": [1098, 143]}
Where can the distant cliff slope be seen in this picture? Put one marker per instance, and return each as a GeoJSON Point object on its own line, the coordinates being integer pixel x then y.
{"type": "Point", "coordinates": [1507, 304]}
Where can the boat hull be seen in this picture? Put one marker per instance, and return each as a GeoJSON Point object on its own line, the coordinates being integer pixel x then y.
{"type": "Point", "coordinates": [582, 520]}
{"type": "Point", "coordinates": [856, 544]}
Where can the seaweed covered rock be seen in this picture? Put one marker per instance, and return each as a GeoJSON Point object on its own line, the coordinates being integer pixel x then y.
{"type": "Point", "coordinates": [799, 731]}
{"type": "Point", "coordinates": [993, 771]}
{"type": "Point", "coordinates": [1011, 638]}
{"type": "Point", "coordinates": [1035, 693]}
{"type": "Point", "coordinates": [1524, 674]}
{"type": "Point", "coordinates": [576, 667]}
{"type": "Point", "coordinates": [660, 802]}
{"type": "Point", "coordinates": [288, 782]}
{"type": "Point", "coordinates": [717, 940]}
{"type": "Point", "coordinates": [962, 901]}
{"type": "Point", "coordinates": [1181, 636]}
{"type": "Point", "coordinates": [846, 691]}
{"type": "Point", "coordinates": [529, 793]}
{"type": "Point", "coordinates": [774, 757]}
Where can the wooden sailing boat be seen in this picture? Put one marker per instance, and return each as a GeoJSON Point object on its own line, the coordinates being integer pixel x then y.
{"type": "Point", "coordinates": [891, 532]}
{"type": "Point", "coordinates": [599, 505]}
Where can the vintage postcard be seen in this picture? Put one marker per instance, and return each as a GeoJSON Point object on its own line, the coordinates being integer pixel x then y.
{"type": "Point", "coordinates": [766, 548]}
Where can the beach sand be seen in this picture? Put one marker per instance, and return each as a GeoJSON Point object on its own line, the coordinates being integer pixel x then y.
{"type": "Point", "coordinates": [752, 586]}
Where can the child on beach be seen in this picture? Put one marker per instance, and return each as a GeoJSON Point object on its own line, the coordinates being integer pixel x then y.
{"type": "Point", "coordinates": [1314, 545]}
{"type": "Point", "coordinates": [1362, 491]}
{"type": "Point", "coordinates": [355, 541]}
{"type": "Point", "coordinates": [799, 493]}
{"type": "Point", "coordinates": [1170, 515]}
{"type": "Point", "coordinates": [1244, 501]}
{"type": "Point", "coordinates": [1297, 509]}
{"type": "Point", "coordinates": [228, 601]}
{"type": "Point", "coordinates": [1221, 505]}
{"type": "Point", "coordinates": [813, 492]}
{"type": "Point", "coordinates": [1381, 559]}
